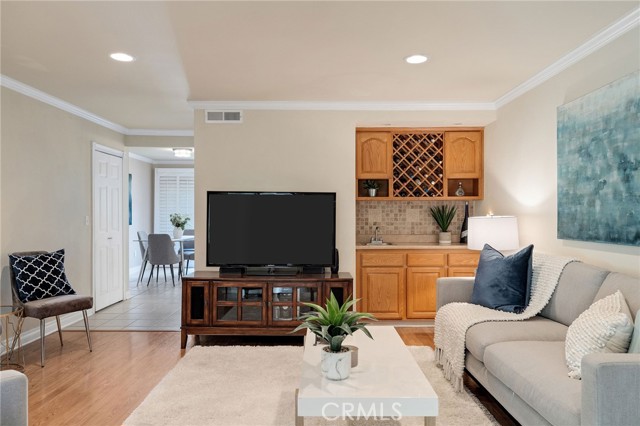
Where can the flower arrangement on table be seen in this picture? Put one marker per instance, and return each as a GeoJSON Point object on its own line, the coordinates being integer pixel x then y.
{"type": "Point", "coordinates": [179, 220]}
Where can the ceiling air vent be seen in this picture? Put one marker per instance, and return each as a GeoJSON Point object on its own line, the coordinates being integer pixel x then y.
{"type": "Point", "coordinates": [223, 116]}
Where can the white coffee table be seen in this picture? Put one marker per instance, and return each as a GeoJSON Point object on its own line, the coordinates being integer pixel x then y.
{"type": "Point", "coordinates": [386, 383]}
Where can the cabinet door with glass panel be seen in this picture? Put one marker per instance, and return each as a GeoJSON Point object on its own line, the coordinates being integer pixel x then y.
{"type": "Point", "coordinates": [239, 303]}
{"type": "Point", "coordinates": [287, 301]}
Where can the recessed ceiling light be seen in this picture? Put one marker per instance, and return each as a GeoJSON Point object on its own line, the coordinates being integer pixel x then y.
{"type": "Point", "coordinates": [416, 59]}
{"type": "Point", "coordinates": [122, 57]}
{"type": "Point", "coordinates": [182, 152]}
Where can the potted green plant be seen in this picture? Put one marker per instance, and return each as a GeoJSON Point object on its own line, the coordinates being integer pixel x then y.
{"type": "Point", "coordinates": [332, 325]}
{"type": "Point", "coordinates": [372, 186]}
{"type": "Point", "coordinates": [179, 221]}
{"type": "Point", "coordinates": [443, 215]}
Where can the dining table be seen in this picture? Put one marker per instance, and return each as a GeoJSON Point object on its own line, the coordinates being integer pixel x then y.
{"type": "Point", "coordinates": [179, 241]}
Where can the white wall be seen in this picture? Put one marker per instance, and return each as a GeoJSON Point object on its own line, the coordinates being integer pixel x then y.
{"type": "Point", "coordinates": [296, 151]}
{"type": "Point", "coordinates": [46, 186]}
{"type": "Point", "coordinates": [520, 156]}
{"type": "Point", "coordinates": [142, 209]}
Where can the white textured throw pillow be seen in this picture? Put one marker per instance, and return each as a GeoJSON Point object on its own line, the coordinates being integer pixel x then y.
{"type": "Point", "coordinates": [605, 327]}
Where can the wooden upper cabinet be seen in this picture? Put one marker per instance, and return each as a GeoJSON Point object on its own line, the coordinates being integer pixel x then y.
{"type": "Point", "coordinates": [373, 156]}
{"type": "Point", "coordinates": [463, 154]}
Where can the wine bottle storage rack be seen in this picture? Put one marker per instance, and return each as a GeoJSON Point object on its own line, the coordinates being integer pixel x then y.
{"type": "Point", "coordinates": [417, 165]}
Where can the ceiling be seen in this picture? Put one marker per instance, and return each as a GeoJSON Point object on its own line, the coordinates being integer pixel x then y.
{"type": "Point", "coordinates": [285, 51]}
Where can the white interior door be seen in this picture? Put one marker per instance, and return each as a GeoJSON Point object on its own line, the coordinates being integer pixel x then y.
{"type": "Point", "coordinates": [107, 228]}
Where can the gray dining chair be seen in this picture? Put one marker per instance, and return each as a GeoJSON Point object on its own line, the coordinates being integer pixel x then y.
{"type": "Point", "coordinates": [41, 304]}
{"type": "Point", "coordinates": [143, 243]}
{"type": "Point", "coordinates": [161, 252]}
{"type": "Point", "coordinates": [189, 249]}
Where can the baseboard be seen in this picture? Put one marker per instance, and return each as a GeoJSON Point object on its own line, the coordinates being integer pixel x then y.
{"type": "Point", "coordinates": [50, 327]}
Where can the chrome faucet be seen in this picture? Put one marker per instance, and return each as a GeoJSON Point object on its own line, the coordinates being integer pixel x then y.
{"type": "Point", "coordinates": [375, 238]}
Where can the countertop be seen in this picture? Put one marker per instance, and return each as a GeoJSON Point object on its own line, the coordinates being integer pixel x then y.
{"type": "Point", "coordinates": [412, 246]}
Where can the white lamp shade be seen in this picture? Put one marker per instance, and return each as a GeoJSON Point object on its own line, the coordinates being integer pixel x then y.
{"type": "Point", "coordinates": [500, 232]}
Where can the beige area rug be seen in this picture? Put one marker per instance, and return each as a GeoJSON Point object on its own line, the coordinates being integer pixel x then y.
{"type": "Point", "coordinates": [255, 385]}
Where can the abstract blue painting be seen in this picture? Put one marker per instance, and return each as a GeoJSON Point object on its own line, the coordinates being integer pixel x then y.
{"type": "Point", "coordinates": [599, 165]}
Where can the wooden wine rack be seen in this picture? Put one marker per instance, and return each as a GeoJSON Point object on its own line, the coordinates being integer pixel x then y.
{"type": "Point", "coordinates": [417, 165]}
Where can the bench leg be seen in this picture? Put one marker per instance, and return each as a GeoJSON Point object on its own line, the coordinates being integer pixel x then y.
{"type": "Point", "coordinates": [59, 329]}
{"type": "Point", "coordinates": [42, 323]}
{"type": "Point", "coordinates": [86, 327]}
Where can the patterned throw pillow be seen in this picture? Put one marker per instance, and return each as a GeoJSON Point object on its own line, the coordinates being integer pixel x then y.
{"type": "Point", "coordinates": [40, 276]}
{"type": "Point", "coordinates": [605, 327]}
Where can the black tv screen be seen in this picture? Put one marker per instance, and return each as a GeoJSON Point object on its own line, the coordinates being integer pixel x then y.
{"type": "Point", "coordinates": [270, 228]}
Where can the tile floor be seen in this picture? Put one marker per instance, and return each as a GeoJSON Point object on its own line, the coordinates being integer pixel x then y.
{"type": "Point", "coordinates": [153, 308]}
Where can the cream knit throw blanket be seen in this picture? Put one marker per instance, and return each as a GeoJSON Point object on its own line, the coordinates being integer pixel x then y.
{"type": "Point", "coordinates": [453, 319]}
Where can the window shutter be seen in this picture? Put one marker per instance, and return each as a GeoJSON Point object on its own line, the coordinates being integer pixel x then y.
{"type": "Point", "coordinates": [173, 194]}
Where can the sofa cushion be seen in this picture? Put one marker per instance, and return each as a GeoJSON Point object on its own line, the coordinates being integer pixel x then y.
{"type": "Point", "coordinates": [634, 346]}
{"type": "Point", "coordinates": [537, 373]}
{"type": "Point", "coordinates": [605, 327]}
{"type": "Point", "coordinates": [628, 285]}
{"type": "Point", "coordinates": [576, 289]}
{"type": "Point", "coordinates": [503, 283]}
{"type": "Point", "coordinates": [484, 334]}
{"type": "Point", "coordinates": [57, 305]}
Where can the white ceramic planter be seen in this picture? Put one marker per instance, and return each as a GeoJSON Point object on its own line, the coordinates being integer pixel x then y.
{"type": "Point", "coordinates": [336, 365]}
{"type": "Point", "coordinates": [372, 192]}
{"type": "Point", "coordinates": [444, 238]}
{"type": "Point", "coordinates": [178, 232]}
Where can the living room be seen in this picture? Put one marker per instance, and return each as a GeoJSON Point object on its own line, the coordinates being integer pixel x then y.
{"type": "Point", "coordinates": [302, 145]}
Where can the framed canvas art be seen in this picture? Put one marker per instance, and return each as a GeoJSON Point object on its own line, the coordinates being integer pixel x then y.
{"type": "Point", "coordinates": [599, 165]}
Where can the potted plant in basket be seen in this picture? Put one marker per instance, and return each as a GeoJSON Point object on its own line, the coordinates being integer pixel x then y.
{"type": "Point", "coordinates": [178, 221]}
{"type": "Point", "coordinates": [443, 215]}
{"type": "Point", "coordinates": [333, 324]}
{"type": "Point", "coordinates": [372, 186]}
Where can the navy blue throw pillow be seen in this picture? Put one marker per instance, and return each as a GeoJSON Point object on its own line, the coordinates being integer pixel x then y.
{"type": "Point", "coordinates": [503, 283]}
{"type": "Point", "coordinates": [40, 276]}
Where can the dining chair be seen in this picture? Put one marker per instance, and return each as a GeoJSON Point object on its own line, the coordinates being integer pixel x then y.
{"type": "Point", "coordinates": [161, 252]}
{"type": "Point", "coordinates": [188, 249]}
{"type": "Point", "coordinates": [39, 284]}
{"type": "Point", "coordinates": [143, 243]}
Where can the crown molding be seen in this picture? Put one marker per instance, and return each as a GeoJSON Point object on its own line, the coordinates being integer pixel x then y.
{"type": "Point", "coordinates": [154, 132]}
{"type": "Point", "coordinates": [46, 98]}
{"type": "Point", "coordinates": [160, 162]}
{"type": "Point", "coordinates": [141, 158]}
{"type": "Point", "coordinates": [341, 106]}
{"type": "Point", "coordinates": [602, 38]}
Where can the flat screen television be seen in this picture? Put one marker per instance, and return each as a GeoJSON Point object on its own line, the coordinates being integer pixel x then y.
{"type": "Point", "coordinates": [270, 229]}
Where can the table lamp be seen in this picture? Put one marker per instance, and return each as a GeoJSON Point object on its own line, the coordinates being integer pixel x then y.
{"type": "Point", "coordinates": [500, 232]}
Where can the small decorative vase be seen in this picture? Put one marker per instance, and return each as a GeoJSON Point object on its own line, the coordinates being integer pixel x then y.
{"type": "Point", "coordinates": [354, 354]}
{"type": "Point", "coordinates": [372, 192]}
{"type": "Point", "coordinates": [444, 238]}
{"type": "Point", "coordinates": [177, 232]}
{"type": "Point", "coordinates": [336, 365]}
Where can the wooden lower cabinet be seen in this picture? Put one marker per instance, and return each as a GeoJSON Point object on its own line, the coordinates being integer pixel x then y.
{"type": "Point", "coordinates": [421, 291]}
{"type": "Point", "coordinates": [238, 305]}
{"type": "Point", "coordinates": [383, 290]}
{"type": "Point", "coordinates": [396, 284]}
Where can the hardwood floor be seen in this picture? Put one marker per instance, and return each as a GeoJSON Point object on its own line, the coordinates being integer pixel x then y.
{"type": "Point", "coordinates": [103, 387]}
{"type": "Point", "coordinates": [78, 387]}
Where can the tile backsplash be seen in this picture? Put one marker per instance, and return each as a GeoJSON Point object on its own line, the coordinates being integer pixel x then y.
{"type": "Point", "coordinates": [405, 221]}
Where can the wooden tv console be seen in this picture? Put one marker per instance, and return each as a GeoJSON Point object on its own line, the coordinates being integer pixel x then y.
{"type": "Point", "coordinates": [222, 304]}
